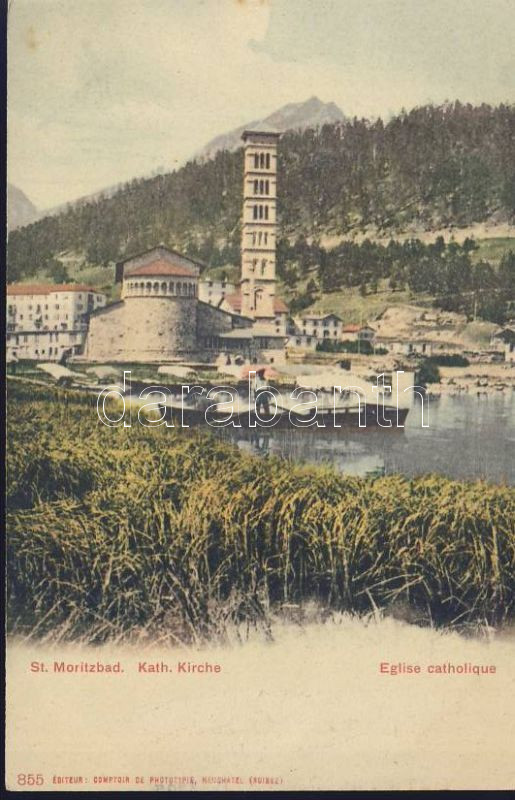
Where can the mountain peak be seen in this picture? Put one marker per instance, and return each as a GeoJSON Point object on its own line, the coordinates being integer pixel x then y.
{"type": "Point", "coordinates": [310, 113]}
{"type": "Point", "coordinates": [20, 210]}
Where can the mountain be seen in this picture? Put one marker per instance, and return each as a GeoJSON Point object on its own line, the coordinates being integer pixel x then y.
{"type": "Point", "coordinates": [430, 168]}
{"type": "Point", "coordinates": [20, 210]}
{"type": "Point", "coordinates": [294, 116]}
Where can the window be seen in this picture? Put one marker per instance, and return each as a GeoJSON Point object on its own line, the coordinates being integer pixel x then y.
{"type": "Point", "coordinates": [266, 212]}
{"type": "Point", "coordinates": [255, 212]}
{"type": "Point", "coordinates": [268, 160]}
{"type": "Point", "coordinates": [262, 160]}
{"type": "Point", "coordinates": [263, 266]}
{"type": "Point", "coordinates": [57, 306]}
{"type": "Point", "coordinates": [266, 238]}
{"type": "Point", "coordinates": [256, 161]}
{"type": "Point", "coordinates": [267, 187]}
{"type": "Point", "coordinates": [256, 187]}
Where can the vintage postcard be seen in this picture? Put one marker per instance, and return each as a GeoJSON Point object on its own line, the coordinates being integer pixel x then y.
{"type": "Point", "coordinates": [260, 358]}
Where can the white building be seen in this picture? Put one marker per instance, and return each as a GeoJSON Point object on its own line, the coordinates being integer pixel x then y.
{"type": "Point", "coordinates": [319, 326]}
{"type": "Point", "coordinates": [214, 292]}
{"type": "Point", "coordinates": [44, 321]}
{"type": "Point", "coordinates": [358, 333]}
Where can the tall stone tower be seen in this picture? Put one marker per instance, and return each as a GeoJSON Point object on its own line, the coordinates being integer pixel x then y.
{"type": "Point", "coordinates": [259, 229]}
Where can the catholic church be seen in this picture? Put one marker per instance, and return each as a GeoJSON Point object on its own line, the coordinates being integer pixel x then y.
{"type": "Point", "coordinates": [160, 317]}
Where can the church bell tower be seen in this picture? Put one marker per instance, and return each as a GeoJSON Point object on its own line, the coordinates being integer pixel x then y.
{"type": "Point", "coordinates": [259, 229]}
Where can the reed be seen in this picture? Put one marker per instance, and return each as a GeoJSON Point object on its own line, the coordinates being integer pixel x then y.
{"type": "Point", "coordinates": [171, 534]}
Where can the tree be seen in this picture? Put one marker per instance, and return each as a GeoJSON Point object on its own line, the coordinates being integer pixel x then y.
{"type": "Point", "coordinates": [57, 271]}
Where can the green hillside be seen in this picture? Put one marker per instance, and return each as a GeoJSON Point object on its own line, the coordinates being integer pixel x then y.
{"type": "Point", "coordinates": [424, 170]}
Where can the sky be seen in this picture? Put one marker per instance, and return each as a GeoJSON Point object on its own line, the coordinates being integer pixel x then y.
{"type": "Point", "coordinates": [102, 91]}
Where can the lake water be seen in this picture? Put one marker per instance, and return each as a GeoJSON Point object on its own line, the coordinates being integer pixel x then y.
{"type": "Point", "coordinates": [469, 437]}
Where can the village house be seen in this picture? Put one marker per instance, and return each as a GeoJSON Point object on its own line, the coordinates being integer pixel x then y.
{"type": "Point", "coordinates": [357, 333]}
{"type": "Point", "coordinates": [214, 292]}
{"type": "Point", "coordinates": [45, 321]}
{"type": "Point", "coordinates": [503, 341]}
{"type": "Point", "coordinates": [318, 326]}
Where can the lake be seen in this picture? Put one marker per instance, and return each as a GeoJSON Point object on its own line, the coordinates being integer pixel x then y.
{"type": "Point", "coordinates": [469, 437]}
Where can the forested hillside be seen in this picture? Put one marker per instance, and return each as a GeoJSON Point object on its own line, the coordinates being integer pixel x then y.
{"type": "Point", "coordinates": [429, 168]}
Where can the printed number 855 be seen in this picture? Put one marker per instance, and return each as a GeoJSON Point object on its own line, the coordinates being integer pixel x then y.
{"type": "Point", "coordinates": [24, 779]}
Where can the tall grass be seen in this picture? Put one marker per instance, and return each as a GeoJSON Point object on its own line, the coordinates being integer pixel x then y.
{"type": "Point", "coordinates": [171, 534]}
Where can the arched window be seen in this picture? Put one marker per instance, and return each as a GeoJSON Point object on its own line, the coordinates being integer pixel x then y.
{"type": "Point", "coordinates": [170, 287]}
{"type": "Point", "coordinates": [164, 287]}
{"type": "Point", "coordinates": [255, 212]}
{"type": "Point", "coordinates": [266, 212]}
{"type": "Point", "coordinates": [268, 160]}
{"type": "Point", "coordinates": [258, 298]}
{"type": "Point", "coordinates": [156, 287]}
{"type": "Point", "coordinates": [148, 287]}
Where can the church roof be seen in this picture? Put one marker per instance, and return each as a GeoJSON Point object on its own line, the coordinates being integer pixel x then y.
{"type": "Point", "coordinates": [234, 300]}
{"type": "Point", "coordinates": [262, 128]}
{"type": "Point", "coordinates": [160, 267]}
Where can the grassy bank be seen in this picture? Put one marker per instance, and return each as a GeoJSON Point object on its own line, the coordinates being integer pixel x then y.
{"type": "Point", "coordinates": [116, 533]}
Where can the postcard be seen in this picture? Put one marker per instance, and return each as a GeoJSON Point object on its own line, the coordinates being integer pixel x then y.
{"type": "Point", "coordinates": [260, 359]}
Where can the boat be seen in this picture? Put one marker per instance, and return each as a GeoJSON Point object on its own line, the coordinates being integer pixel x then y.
{"type": "Point", "coordinates": [198, 410]}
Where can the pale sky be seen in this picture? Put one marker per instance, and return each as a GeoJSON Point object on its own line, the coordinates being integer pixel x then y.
{"type": "Point", "coordinates": [101, 91]}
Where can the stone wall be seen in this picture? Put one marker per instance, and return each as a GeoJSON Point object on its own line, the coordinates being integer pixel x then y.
{"type": "Point", "coordinates": [144, 329]}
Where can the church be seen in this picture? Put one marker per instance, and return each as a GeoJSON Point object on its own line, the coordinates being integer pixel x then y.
{"type": "Point", "coordinates": [160, 318]}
